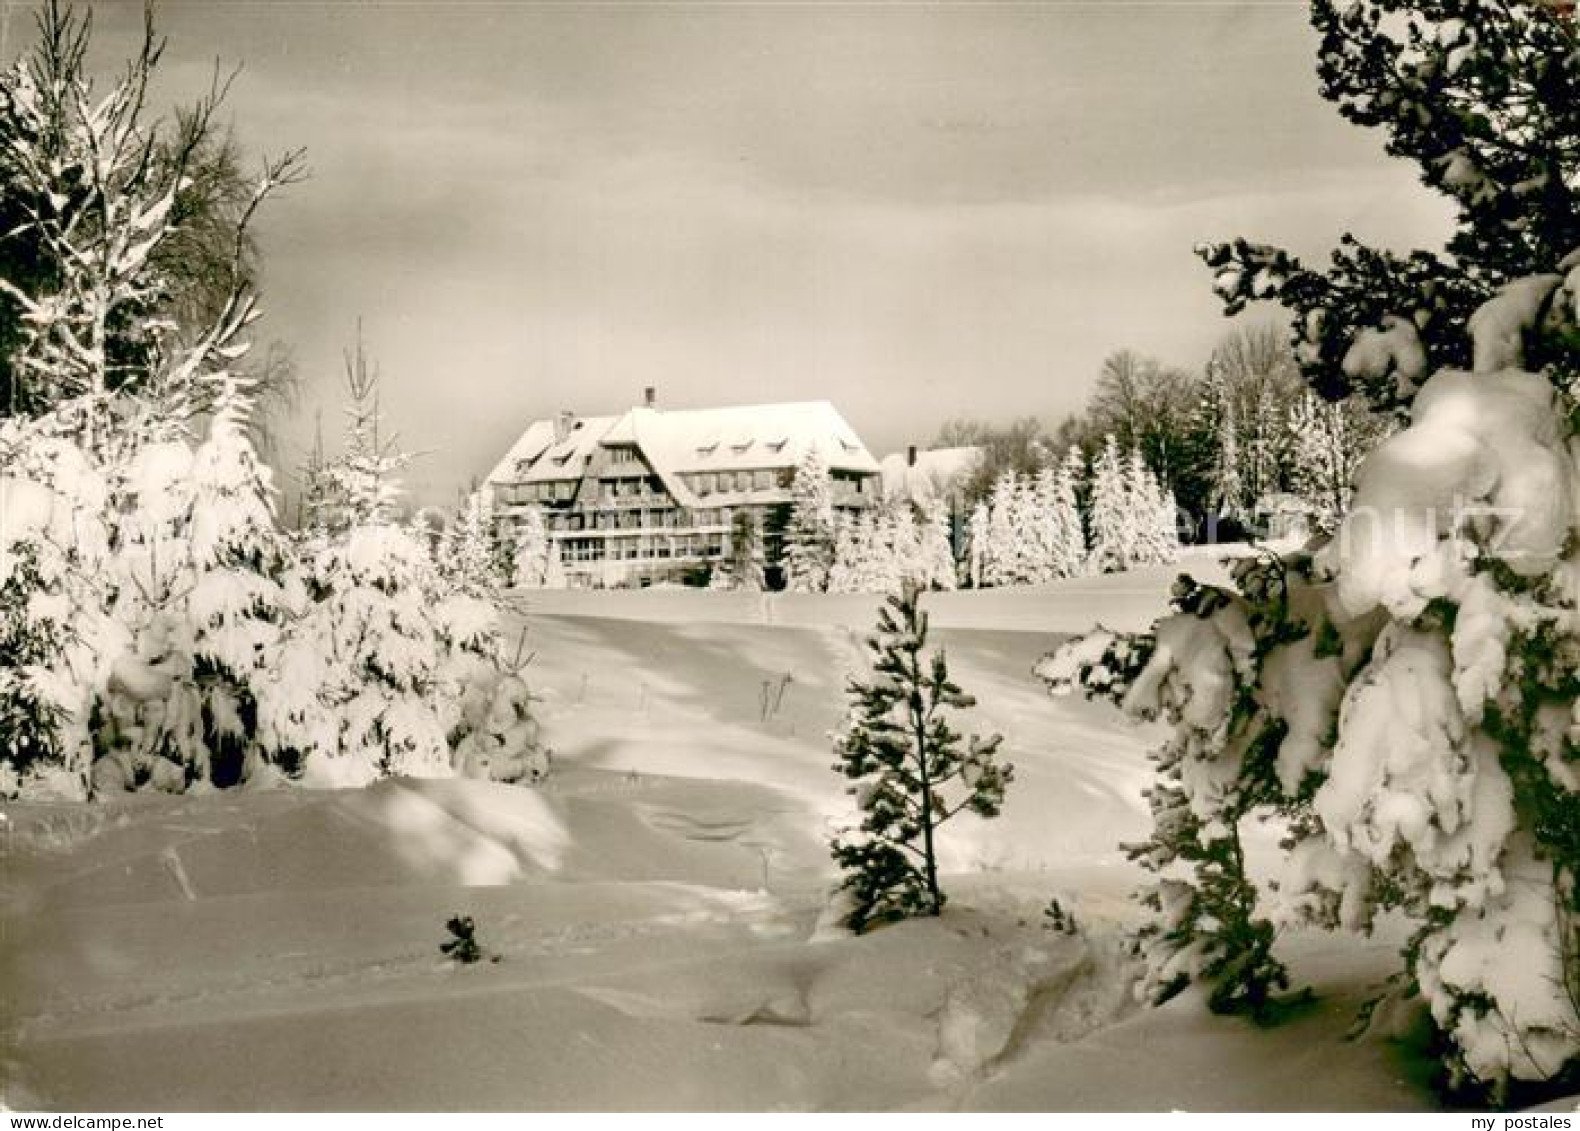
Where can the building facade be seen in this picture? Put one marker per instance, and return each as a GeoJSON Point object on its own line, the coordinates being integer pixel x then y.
{"type": "Point", "coordinates": [650, 496]}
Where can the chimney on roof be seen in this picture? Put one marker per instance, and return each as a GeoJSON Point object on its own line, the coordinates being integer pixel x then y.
{"type": "Point", "coordinates": [910, 456]}
{"type": "Point", "coordinates": [650, 396]}
{"type": "Point", "coordinates": [562, 425]}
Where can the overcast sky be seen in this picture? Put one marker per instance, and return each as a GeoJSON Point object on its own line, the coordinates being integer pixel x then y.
{"type": "Point", "coordinates": [915, 212]}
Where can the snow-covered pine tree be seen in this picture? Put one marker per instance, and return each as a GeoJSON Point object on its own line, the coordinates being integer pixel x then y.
{"type": "Point", "coordinates": [1329, 440]}
{"type": "Point", "coordinates": [105, 384]}
{"type": "Point", "coordinates": [1002, 552]}
{"type": "Point", "coordinates": [317, 503]}
{"type": "Point", "coordinates": [1051, 532]}
{"type": "Point", "coordinates": [1228, 486]}
{"type": "Point", "coordinates": [554, 576]}
{"type": "Point", "coordinates": [366, 474]}
{"type": "Point", "coordinates": [898, 558]}
{"type": "Point", "coordinates": [979, 534]}
{"type": "Point", "coordinates": [236, 607]}
{"type": "Point", "coordinates": [1152, 509]}
{"type": "Point", "coordinates": [1403, 697]}
{"type": "Point", "coordinates": [840, 569]}
{"type": "Point", "coordinates": [1029, 518]}
{"type": "Point", "coordinates": [468, 561]}
{"type": "Point", "coordinates": [1071, 539]}
{"type": "Point", "coordinates": [809, 541]}
{"type": "Point", "coordinates": [55, 638]}
{"type": "Point", "coordinates": [353, 692]}
{"type": "Point", "coordinates": [864, 560]}
{"type": "Point", "coordinates": [1113, 524]}
{"type": "Point", "coordinates": [911, 770]}
{"type": "Point", "coordinates": [742, 567]}
{"type": "Point", "coordinates": [532, 550]}
{"type": "Point", "coordinates": [936, 567]}
{"type": "Point", "coordinates": [383, 651]}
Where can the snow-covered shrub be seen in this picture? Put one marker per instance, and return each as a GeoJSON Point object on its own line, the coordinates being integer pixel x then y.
{"type": "Point", "coordinates": [1405, 696]}
{"type": "Point", "coordinates": [498, 739]}
{"type": "Point", "coordinates": [462, 945]}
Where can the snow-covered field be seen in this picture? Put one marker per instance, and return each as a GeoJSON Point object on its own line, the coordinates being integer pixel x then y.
{"type": "Point", "coordinates": [656, 910]}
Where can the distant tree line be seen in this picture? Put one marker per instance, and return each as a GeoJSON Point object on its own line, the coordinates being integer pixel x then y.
{"type": "Point", "coordinates": [1229, 442]}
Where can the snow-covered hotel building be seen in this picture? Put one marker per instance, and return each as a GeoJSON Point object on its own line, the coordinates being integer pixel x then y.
{"type": "Point", "coordinates": [649, 495]}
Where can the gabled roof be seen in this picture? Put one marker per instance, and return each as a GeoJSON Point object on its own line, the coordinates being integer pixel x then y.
{"type": "Point", "coordinates": [743, 437]}
{"type": "Point", "coordinates": [568, 458]}
{"type": "Point", "coordinates": [531, 444]}
{"type": "Point", "coordinates": [681, 442]}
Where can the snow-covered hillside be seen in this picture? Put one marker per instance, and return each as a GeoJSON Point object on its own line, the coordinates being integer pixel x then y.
{"type": "Point", "coordinates": [657, 911]}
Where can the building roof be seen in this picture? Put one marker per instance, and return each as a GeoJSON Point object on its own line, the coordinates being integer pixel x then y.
{"type": "Point", "coordinates": [679, 442]}
{"type": "Point", "coordinates": [568, 458]}
{"type": "Point", "coordinates": [529, 446]}
{"type": "Point", "coordinates": [935, 472]}
{"type": "Point", "coordinates": [743, 437]}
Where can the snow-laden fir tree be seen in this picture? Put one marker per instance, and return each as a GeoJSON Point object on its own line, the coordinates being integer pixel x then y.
{"type": "Point", "coordinates": [467, 559]}
{"type": "Point", "coordinates": [1070, 559]}
{"type": "Point", "coordinates": [1029, 529]}
{"type": "Point", "coordinates": [366, 474]}
{"type": "Point", "coordinates": [1404, 696]}
{"type": "Point", "coordinates": [840, 570]}
{"type": "Point", "coordinates": [863, 555]}
{"type": "Point", "coordinates": [203, 564]}
{"type": "Point", "coordinates": [810, 539]}
{"type": "Point", "coordinates": [978, 534]}
{"type": "Point", "coordinates": [1002, 550]}
{"type": "Point", "coordinates": [936, 566]}
{"type": "Point", "coordinates": [167, 634]}
{"type": "Point", "coordinates": [1059, 544]}
{"type": "Point", "coordinates": [1040, 500]}
{"type": "Point", "coordinates": [1154, 524]}
{"type": "Point", "coordinates": [530, 561]}
{"type": "Point", "coordinates": [1329, 440]}
{"type": "Point", "coordinates": [911, 770]}
{"type": "Point", "coordinates": [900, 548]}
{"type": "Point", "coordinates": [1028, 554]}
{"type": "Point", "coordinates": [742, 565]}
{"type": "Point", "coordinates": [385, 649]}
{"type": "Point", "coordinates": [1112, 522]}
{"type": "Point", "coordinates": [136, 574]}
{"type": "Point", "coordinates": [317, 501]}
{"type": "Point", "coordinates": [1228, 486]}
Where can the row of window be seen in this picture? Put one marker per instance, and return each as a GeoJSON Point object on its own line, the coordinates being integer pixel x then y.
{"type": "Point", "coordinates": [660, 518]}
{"type": "Point", "coordinates": [520, 494]}
{"type": "Point", "coordinates": [762, 479]}
{"type": "Point", "coordinates": [846, 483]}
{"type": "Point", "coordinates": [642, 549]}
